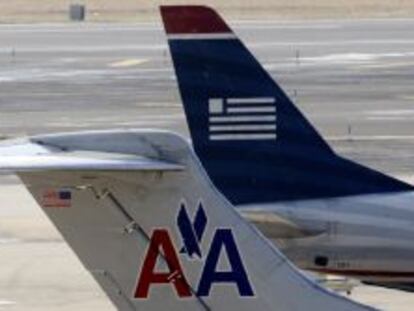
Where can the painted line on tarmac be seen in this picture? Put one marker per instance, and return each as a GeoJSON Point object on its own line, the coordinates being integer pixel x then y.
{"type": "Point", "coordinates": [128, 63]}
{"type": "Point", "coordinates": [387, 66]}
{"type": "Point", "coordinates": [368, 137]}
{"type": "Point", "coordinates": [6, 303]}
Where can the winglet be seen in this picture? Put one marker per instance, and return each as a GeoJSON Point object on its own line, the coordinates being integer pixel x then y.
{"type": "Point", "coordinates": [192, 20]}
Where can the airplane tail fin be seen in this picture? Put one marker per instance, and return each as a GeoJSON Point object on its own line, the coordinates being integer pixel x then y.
{"type": "Point", "coordinates": [254, 143]}
{"type": "Point", "coordinates": [153, 231]}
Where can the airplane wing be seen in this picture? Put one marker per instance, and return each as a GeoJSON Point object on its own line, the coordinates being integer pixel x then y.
{"type": "Point", "coordinates": [159, 237]}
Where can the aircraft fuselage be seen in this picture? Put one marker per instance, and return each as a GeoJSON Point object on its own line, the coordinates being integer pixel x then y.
{"type": "Point", "coordinates": [369, 237]}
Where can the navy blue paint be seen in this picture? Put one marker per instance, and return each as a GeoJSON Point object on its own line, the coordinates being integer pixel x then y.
{"type": "Point", "coordinates": [224, 239]}
{"type": "Point", "coordinates": [65, 195]}
{"type": "Point", "coordinates": [192, 234]}
{"type": "Point", "coordinates": [298, 165]}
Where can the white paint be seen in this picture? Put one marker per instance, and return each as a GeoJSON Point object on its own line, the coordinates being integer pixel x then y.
{"type": "Point", "coordinates": [6, 303]}
{"type": "Point", "coordinates": [387, 65]}
{"type": "Point", "coordinates": [370, 138]}
{"type": "Point", "coordinates": [92, 49]}
{"type": "Point", "coordinates": [231, 128]}
{"type": "Point", "coordinates": [45, 74]}
{"type": "Point", "coordinates": [202, 36]}
{"type": "Point", "coordinates": [352, 58]}
{"type": "Point", "coordinates": [39, 74]}
{"type": "Point", "coordinates": [127, 63]}
{"type": "Point", "coordinates": [340, 58]}
{"type": "Point", "coordinates": [390, 115]}
{"type": "Point", "coordinates": [243, 137]}
{"type": "Point", "coordinates": [252, 100]}
{"type": "Point", "coordinates": [251, 109]}
{"type": "Point", "coordinates": [4, 241]}
{"type": "Point", "coordinates": [242, 119]}
{"type": "Point", "coordinates": [394, 112]}
{"type": "Point", "coordinates": [330, 43]}
{"type": "Point", "coordinates": [215, 105]}
{"type": "Point", "coordinates": [264, 25]}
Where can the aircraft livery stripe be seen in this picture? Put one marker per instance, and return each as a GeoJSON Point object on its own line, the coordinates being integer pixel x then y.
{"type": "Point", "coordinates": [202, 36]}
{"type": "Point", "coordinates": [236, 128]}
{"type": "Point", "coordinates": [257, 100]}
{"type": "Point", "coordinates": [368, 273]}
{"type": "Point", "coordinates": [241, 118]}
{"type": "Point", "coordinates": [251, 109]}
{"type": "Point", "coordinates": [243, 137]}
{"type": "Point", "coordinates": [192, 20]}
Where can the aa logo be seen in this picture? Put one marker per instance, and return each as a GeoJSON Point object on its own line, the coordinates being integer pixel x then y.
{"type": "Point", "coordinates": [222, 248]}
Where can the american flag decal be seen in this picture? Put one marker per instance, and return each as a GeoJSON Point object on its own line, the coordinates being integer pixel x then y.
{"type": "Point", "coordinates": [52, 198]}
{"type": "Point", "coordinates": [242, 118]}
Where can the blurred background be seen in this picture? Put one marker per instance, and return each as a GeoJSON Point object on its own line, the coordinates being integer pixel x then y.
{"type": "Point", "coordinates": [24, 11]}
{"type": "Point", "coordinates": [99, 64]}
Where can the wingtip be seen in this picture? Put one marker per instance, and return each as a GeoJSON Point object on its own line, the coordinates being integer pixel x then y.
{"type": "Point", "coordinates": [192, 19]}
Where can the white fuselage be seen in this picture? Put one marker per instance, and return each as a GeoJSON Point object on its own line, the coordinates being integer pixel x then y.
{"type": "Point", "coordinates": [369, 237]}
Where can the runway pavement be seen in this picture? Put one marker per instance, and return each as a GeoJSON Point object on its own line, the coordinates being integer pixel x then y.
{"type": "Point", "coordinates": [353, 79]}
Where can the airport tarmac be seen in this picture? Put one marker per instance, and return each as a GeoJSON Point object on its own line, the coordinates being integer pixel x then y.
{"type": "Point", "coordinates": [353, 79]}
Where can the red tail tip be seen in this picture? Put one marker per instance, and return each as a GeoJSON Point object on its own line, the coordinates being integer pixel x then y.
{"type": "Point", "coordinates": [192, 20]}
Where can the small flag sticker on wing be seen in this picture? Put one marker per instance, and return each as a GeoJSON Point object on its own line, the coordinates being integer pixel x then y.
{"type": "Point", "coordinates": [242, 118]}
{"type": "Point", "coordinates": [53, 198]}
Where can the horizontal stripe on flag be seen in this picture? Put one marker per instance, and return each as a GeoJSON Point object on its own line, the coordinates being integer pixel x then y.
{"type": "Point", "coordinates": [230, 119]}
{"type": "Point", "coordinates": [246, 127]}
{"type": "Point", "coordinates": [270, 109]}
{"type": "Point", "coordinates": [202, 36]}
{"type": "Point", "coordinates": [243, 136]}
{"type": "Point", "coordinates": [253, 100]}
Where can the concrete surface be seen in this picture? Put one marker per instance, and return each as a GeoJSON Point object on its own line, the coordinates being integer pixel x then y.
{"type": "Point", "coordinates": [146, 10]}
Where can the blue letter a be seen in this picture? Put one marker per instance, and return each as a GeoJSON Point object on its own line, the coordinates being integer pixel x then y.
{"type": "Point", "coordinates": [223, 238]}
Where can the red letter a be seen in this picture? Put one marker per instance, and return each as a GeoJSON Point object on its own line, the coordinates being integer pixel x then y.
{"type": "Point", "coordinates": [161, 245]}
